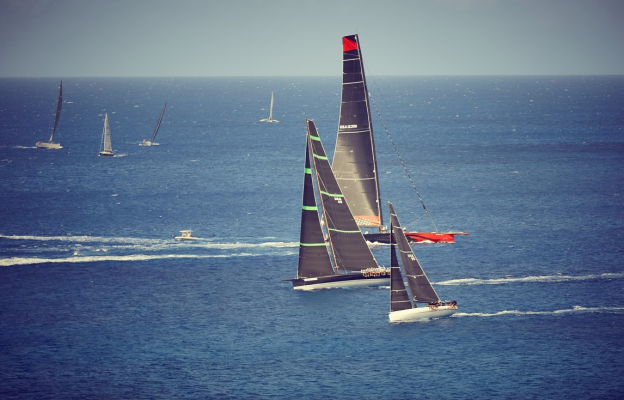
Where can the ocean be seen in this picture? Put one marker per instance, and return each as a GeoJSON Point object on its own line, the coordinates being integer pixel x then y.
{"type": "Point", "coordinates": [99, 301]}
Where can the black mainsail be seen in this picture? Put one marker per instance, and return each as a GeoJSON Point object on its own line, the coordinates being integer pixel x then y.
{"type": "Point", "coordinates": [348, 246]}
{"type": "Point", "coordinates": [59, 106]}
{"type": "Point", "coordinates": [419, 286]}
{"type": "Point", "coordinates": [313, 255]}
{"type": "Point", "coordinates": [158, 124]}
{"type": "Point", "coordinates": [355, 163]}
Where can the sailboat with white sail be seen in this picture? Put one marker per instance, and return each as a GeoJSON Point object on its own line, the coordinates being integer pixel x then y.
{"type": "Point", "coordinates": [50, 144]}
{"type": "Point", "coordinates": [270, 119]}
{"type": "Point", "coordinates": [420, 289]}
{"type": "Point", "coordinates": [355, 162]}
{"type": "Point", "coordinates": [150, 142]}
{"type": "Point", "coordinates": [348, 262]}
{"type": "Point", "coordinates": [106, 148]}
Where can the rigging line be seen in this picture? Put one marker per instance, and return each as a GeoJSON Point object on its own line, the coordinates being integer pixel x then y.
{"type": "Point", "coordinates": [401, 158]}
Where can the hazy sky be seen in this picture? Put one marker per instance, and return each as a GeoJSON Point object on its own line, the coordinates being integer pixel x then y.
{"type": "Point", "coordinates": [71, 38]}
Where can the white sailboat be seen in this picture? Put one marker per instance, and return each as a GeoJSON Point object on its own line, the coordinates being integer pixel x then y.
{"type": "Point", "coordinates": [106, 148]}
{"type": "Point", "coordinates": [420, 288]}
{"type": "Point", "coordinates": [270, 119]}
{"type": "Point", "coordinates": [50, 144]}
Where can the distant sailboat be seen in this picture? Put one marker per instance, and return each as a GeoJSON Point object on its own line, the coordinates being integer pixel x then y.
{"type": "Point", "coordinates": [355, 163]}
{"type": "Point", "coordinates": [420, 288]}
{"type": "Point", "coordinates": [50, 144]}
{"type": "Point", "coordinates": [270, 119]}
{"type": "Point", "coordinates": [351, 263]}
{"type": "Point", "coordinates": [150, 142]}
{"type": "Point", "coordinates": [106, 149]}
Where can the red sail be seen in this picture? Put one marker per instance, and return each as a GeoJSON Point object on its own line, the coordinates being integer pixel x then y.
{"type": "Point", "coordinates": [348, 44]}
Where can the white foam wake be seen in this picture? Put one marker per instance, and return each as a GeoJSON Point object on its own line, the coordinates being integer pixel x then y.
{"type": "Point", "coordinates": [82, 239]}
{"type": "Point", "coordinates": [546, 278]}
{"type": "Point", "coordinates": [575, 309]}
{"type": "Point", "coordinates": [85, 259]}
{"type": "Point", "coordinates": [202, 243]}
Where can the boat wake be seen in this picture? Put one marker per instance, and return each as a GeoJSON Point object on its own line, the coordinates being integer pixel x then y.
{"type": "Point", "coordinates": [575, 309]}
{"type": "Point", "coordinates": [27, 250]}
{"type": "Point", "coordinates": [85, 259]}
{"type": "Point", "coordinates": [531, 279]}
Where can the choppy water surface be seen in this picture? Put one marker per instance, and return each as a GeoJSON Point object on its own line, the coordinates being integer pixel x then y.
{"type": "Point", "coordinates": [98, 300]}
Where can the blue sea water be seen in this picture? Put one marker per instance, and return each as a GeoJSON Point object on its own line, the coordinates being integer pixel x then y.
{"type": "Point", "coordinates": [97, 299]}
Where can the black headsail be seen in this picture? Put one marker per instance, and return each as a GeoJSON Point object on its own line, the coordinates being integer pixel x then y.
{"type": "Point", "coordinates": [349, 249]}
{"type": "Point", "coordinates": [418, 283]}
{"type": "Point", "coordinates": [355, 163]}
{"type": "Point", "coordinates": [159, 121]}
{"type": "Point", "coordinates": [399, 300]}
{"type": "Point", "coordinates": [313, 255]}
{"type": "Point", "coordinates": [59, 106]}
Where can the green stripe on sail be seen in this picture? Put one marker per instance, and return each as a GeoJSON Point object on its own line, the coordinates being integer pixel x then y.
{"type": "Point", "coordinates": [318, 139]}
{"type": "Point", "coordinates": [338, 230]}
{"type": "Point", "coordinates": [308, 171]}
{"type": "Point", "coordinates": [320, 157]}
{"type": "Point", "coordinates": [309, 208]}
{"type": "Point", "coordinates": [312, 244]}
{"type": "Point", "coordinates": [331, 194]}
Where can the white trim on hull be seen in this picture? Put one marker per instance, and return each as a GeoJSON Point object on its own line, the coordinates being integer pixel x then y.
{"type": "Point", "coordinates": [345, 284]}
{"type": "Point", "coordinates": [416, 314]}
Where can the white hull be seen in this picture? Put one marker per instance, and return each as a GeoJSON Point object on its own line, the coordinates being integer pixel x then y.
{"type": "Point", "coordinates": [186, 238]}
{"type": "Point", "coordinates": [48, 145]}
{"type": "Point", "coordinates": [148, 143]}
{"type": "Point", "coordinates": [269, 120]}
{"type": "Point", "coordinates": [345, 284]}
{"type": "Point", "coordinates": [416, 314]}
{"type": "Point", "coordinates": [107, 153]}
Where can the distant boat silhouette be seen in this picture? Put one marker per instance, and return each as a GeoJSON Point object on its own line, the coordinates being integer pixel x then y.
{"type": "Point", "coordinates": [150, 142]}
{"type": "Point", "coordinates": [50, 144]}
{"type": "Point", "coordinates": [270, 119]}
{"type": "Point", "coordinates": [106, 146]}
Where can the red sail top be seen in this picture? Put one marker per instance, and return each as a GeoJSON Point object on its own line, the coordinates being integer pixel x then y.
{"type": "Point", "coordinates": [348, 44]}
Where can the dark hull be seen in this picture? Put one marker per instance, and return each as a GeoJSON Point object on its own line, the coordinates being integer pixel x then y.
{"type": "Point", "coordinates": [340, 281]}
{"type": "Point", "coordinates": [416, 237]}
